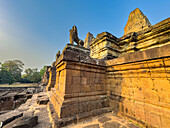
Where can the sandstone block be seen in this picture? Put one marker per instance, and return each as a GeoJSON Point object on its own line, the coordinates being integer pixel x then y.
{"type": "Point", "coordinates": [86, 88]}
{"type": "Point", "coordinates": [153, 119]}
{"type": "Point", "coordinates": [92, 126]}
{"type": "Point", "coordinates": [104, 119]}
{"type": "Point", "coordinates": [165, 121]}
{"type": "Point", "coordinates": [113, 124]}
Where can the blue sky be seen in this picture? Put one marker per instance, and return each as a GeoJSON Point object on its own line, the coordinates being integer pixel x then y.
{"type": "Point", "coordinates": [34, 30]}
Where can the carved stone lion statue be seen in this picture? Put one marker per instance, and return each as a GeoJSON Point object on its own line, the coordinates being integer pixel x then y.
{"type": "Point", "coordinates": [74, 36]}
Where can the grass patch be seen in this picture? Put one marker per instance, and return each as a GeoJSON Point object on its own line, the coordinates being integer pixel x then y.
{"type": "Point", "coordinates": [130, 120]}
{"type": "Point", "coordinates": [19, 85]}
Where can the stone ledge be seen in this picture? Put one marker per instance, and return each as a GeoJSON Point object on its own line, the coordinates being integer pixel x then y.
{"type": "Point", "coordinates": [154, 53]}
{"type": "Point", "coordinates": [84, 99]}
{"type": "Point", "coordinates": [74, 95]}
{"type": "Point", "coordinates": [104, 34]}
{"type": "Point", "coordinates": [78, 54]}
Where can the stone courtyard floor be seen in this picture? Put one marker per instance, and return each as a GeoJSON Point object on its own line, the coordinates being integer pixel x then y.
{"type": "Point", "coordinates": [108, 120]}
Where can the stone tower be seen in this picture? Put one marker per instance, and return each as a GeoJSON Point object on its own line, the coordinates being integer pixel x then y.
{"type": "Point", "coordinates": [137, 21]}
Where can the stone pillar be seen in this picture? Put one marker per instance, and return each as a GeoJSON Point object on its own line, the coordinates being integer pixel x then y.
{"type": "Point", "coordinates": [45, 78]}
{"type": "Point", "coordinates": [52, 78]}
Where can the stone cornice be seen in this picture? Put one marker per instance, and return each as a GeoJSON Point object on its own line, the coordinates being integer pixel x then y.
{"type": "Point", "coordinates": [154, 53]}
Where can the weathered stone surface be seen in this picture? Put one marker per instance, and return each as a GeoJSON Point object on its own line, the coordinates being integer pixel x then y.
{"type": "Point", "coordinates": [141, 55]}
{"type": "Point", "coordinates": [92, 126]}
{"type": "Point", "coordinates": [132, 126]}
{"type": "Point", "coordinates": [12, 100]}
{"type": "Point", "coordinates": [42, 99]}
{"type": "Point", "coordinates": [75, 118]}
{"type": "Point", "coordinates": [30, 111]}
{"type": "Point", "coordinates": [104, 119]}
{"type": "Point", "coordinates": [73, 77]}
{"type": "Point", "coordinates": [3, 112]}
{"type": "Point", "coordinates": [139, 87]}
{"type": "Point", "coordinates": [23, 122]}
{"type": "Point", "coordinates": [137, 21]}
{"type": "Point", "coordinates": [112, 124]}
{"type": "Point", "coordinates": [88, 39]}
{"type": "Point", "coordinates": [45, 77]}
{"type": "Point", "coordinates": [154, 36]}
{"type": "Point", "coordinates": [43, 118]}
{"type": "Point", "coordinates": [115, 121]}
{"type": "Point", "coordinates": [3, 93]}
{"type": "Point", "coordinates": [52, 77]}
{"type": "Point", "coordinates": [105, 46]}
{"type": "Point", "coordinates": [9, 116]}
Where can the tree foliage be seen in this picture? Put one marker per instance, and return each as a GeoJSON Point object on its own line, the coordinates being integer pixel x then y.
{"type": "Point", "coordinates": [28, 73]}
{"type": "Point", "coordinates": [31, 75]}
{"type": "Point", "coordinates": [15, 67]}
{"type": "Point", "coordinates": [42, 71]}
{"type": "Point", "coordinates": [10, 72]}
{"type": "Point", "coordinates": [36, 77]}
{"type": "Point", "coordinates": [6, 77]}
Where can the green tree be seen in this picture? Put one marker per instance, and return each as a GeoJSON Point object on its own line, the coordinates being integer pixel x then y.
{"type": "Point", "coordinates": [42, 71]}
{"type": "Point", "coordinates": [15, 67]}
{"type": "Point", "coordinates": [6, 77]}
{"type": "Point", "coordinates": [28, 73]}
{"type": "Point", "coordinates": [35, 77]}
{"type": "Point", "coordinates": [31, 75]}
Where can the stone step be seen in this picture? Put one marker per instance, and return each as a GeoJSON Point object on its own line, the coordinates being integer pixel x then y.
{"type": "Point", "coordinates": [61, 122]}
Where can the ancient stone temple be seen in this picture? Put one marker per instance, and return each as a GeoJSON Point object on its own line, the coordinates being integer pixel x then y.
{"type": "Point", "coordinates": [128, 75]}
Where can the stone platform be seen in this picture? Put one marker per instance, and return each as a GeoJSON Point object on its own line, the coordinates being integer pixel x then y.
{"type": "Point", "coordinates": [108, 120]}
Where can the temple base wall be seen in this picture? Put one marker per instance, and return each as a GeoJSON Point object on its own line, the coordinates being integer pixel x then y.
{"type": "Point", "coordinates": [138, 86]}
